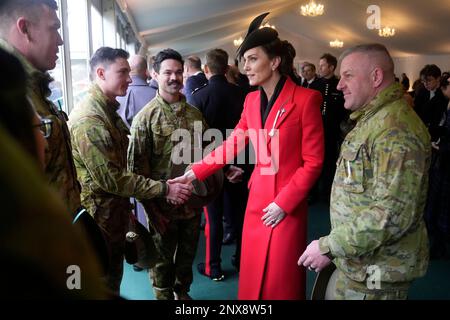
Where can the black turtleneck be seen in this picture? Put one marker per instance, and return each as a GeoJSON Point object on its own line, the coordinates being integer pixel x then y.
{"type": "Point", "coordinates": [266, 106]}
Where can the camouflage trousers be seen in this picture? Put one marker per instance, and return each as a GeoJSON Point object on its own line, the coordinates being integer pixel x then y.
{"type": "Point", "coordinates": [348, 289]}
{"type": "Point", "coordinates": [177, 248]}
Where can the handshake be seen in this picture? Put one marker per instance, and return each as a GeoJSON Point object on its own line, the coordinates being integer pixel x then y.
{"type": "Point", "coordinates": [180, 189]}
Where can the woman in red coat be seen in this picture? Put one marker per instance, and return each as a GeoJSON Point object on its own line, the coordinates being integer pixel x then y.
{"type": "Point", "coordinates": [283, 122]}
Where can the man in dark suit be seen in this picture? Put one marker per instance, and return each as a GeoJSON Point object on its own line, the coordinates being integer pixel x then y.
{"type": "Point", "coordinates": [195, 78]}
{"type": "Point", "coordinates": [221, 104]}
{"type": "Point", "coordinates": [311, 80]}
{"type": "Point", "coordinates": [333, 114]}
{"type": "Point", "coordinates": [430, 103]}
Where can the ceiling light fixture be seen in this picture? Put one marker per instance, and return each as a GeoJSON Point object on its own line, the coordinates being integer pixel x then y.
{"type": "Point", "coordinates": [336, 44]}
{"type": "Point", "coordinates": [312, 9]}
{"type": "Point", "coordinates": [267, 25]}
{"type": "Point", "coordinates": [238, 42]}
{"type": "Point", "coordinates": [386, 32]}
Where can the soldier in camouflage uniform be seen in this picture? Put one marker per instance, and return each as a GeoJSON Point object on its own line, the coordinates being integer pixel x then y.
{"type": "Point", "coordinates": [20, 23]}
{"type": "Point", "coordinates": [38, 242]}
{"type": "Point", "coordinates": [100, 143]}
{"type": "Point", "coordinates": [378, 239]}
{"type": "Point", "coordinates": [150, 154]}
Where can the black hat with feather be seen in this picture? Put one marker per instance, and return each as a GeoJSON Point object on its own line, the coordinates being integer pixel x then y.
{"type": "Point", "coordinates": [257, 36]}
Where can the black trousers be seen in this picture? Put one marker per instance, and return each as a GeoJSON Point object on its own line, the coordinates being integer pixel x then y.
{"type": "Point", "coordinates": [231, 201]}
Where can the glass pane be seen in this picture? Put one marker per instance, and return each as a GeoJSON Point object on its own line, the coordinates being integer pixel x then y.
{"type": "Point", "coordinates": [79, 47]}
{"type": "Point", "coordinates": [97, 28]}
{"type": "Point", "coordinates": [57, 85]}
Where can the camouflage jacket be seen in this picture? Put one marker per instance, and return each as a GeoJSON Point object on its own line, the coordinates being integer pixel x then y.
{"type": "Point", "coordinates": [152, 149]}
{"type": "Point", "coordinates": [100, 142]}
{"type": "Point", "coordinates": [379, 193]}
{"type": "Point", "coordinates": [59, 166]}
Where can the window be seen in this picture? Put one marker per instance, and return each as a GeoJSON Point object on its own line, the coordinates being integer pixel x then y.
{"type": "Point", "coordinates": [57, 95]}
{"type": "Point", "coordinates": [79, 47]}
{"type": "Point", "coordinates": [57, 85]}
{"type": "Point", "coordinates": [86, 26]}
{"type": "Point", "coordinates": [97, 28]}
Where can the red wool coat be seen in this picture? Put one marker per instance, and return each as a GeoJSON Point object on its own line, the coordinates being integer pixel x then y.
{"type": "Point", "coordinates": [287, 166]}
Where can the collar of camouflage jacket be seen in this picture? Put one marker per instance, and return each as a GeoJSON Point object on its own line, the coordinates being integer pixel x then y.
{"type": "Point", "coordinates": [101, 105]}
{"type": "Point", "coordinates": [386, 96]}
{"type": "Point", "coordinates": [98, 95]}
{"type": "Point", "coordinates": [36, 79]}
{"type": "Point", "coordinates": [178, 108]}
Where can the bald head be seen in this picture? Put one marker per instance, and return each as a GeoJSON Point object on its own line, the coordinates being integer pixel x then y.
{"type": "Point", "coordinates": [375, 56]}
{"type": "Point", "coordinates": [138, 65]}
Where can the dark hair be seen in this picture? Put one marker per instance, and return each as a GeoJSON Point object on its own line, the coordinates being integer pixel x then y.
{"type": "Point", "coordinates": [194, 62]}
{"type": "Point", "coordinates": [444, 81]}
{"type": "Point", "coordinates": [150, 62]}
{"type": "Point", "coordinates": [165, 55]}
{"type": "Point", "coordinates": [309, 64]}
{"type": "Point", "coordinates": [430, 70]}
{"type": "Point", "coordinates": [106, 56]}
{"type": "Point", "coordinates": [331, 60]}
{"type": "Point", "coordinates": [217, 61]}
{"type": "Point", "coordinates": [405, 81]}
{"type": "Point", "coordinates": [285, 50]}
{"type": "Point", "coordinates": [16, 113]}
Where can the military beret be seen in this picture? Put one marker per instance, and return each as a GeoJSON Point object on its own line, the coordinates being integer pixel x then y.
{"type": "Point", "coordinates": [204, 191]}
{"type": "Point", "coordinates": [325, 283]}
{"type": "Point", "coordinates": [140, 249]}
{"type": "Point", "coordinates": [257, 37]}
{"type": "Point", "coordinates": [207, 190]}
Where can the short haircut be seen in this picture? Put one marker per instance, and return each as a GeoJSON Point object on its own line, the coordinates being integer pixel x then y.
{"type": "Point", "coordinates": [309, 64]}
{"type": "Point", "coordinates": [372, 50]}
{"type": "Point", "coordinates": [331, 60]}
{"type": "Point", "coordinates": [106, 56]}
{"type": "Point", "coordinates": [166, 54]}
{"type": "Point", "coordinates": [10, 10]}
{"type": "Point", "coordinates": [430, 70]}
{"type": "Point", "coordinates": [444, 80]}
{"type": "Point", "coordinates": [150, 63]}
{"type": "Point", "coordinates": [194, 62]}
{"type": "Point", "coordinates": [217, 61]}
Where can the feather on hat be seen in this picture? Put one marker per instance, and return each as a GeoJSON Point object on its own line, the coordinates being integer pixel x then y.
{"type": "Point", "coordinates": [255, 36]}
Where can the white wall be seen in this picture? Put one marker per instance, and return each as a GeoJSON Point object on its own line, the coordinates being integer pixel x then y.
{"type": "Point", "coordinates": [413, 64]}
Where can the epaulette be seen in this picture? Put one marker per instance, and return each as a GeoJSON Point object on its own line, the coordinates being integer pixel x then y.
{"type": "Point", "coordinates": [201, 87]}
